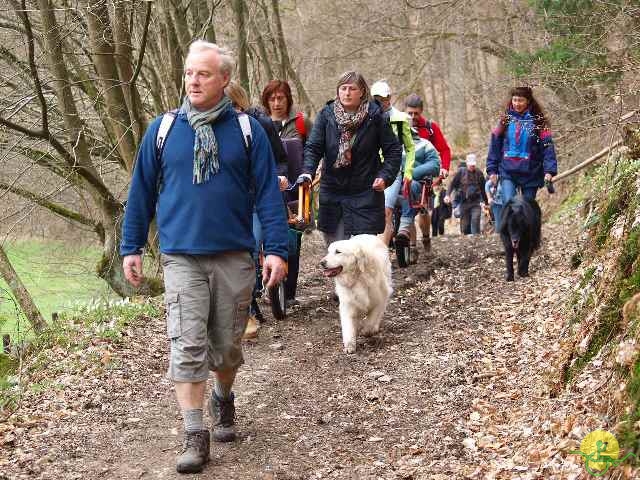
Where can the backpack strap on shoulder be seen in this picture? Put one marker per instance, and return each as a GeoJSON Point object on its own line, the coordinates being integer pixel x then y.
{"type": "Point", "coordinates": [166, 124]}
{"type": "Point", "coordinates": [245, 126]}
{"type": "Point", "coordinates": [429, 129]}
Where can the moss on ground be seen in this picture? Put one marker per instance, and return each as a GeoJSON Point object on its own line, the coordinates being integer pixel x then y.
{"type": "Point", "coordinates": [615, 190]}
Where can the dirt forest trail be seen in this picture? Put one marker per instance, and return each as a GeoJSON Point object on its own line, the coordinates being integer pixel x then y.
{"type": "Point", "coordinates": [459, 384]}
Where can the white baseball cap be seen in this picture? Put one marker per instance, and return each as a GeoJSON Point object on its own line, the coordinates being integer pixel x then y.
{"type": "Point", "coordinates": [471, 159]}
{"type": "Point", "coordinates": [381, 89]}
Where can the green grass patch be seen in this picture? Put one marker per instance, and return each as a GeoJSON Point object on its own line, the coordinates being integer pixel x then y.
{"type": "Point", "coordinates": [57, 275]}
{"type": "Point", "coordinates": [607, 218]}
{"type": "Point", "coordinates": [570, 204]}
{"type": "Point", "coordinates": [628, 436]}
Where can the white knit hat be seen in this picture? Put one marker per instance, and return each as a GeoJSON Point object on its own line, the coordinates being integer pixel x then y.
{"type": "Point", "coordinates": [471, 159]}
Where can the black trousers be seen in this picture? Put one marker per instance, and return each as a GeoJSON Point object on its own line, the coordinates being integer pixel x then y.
{"type": "Point", "coordinates": [437, 222]}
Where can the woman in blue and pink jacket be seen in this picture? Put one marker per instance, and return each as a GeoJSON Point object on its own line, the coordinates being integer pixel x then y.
{"type": "Point", "coordinates": [521, 153]}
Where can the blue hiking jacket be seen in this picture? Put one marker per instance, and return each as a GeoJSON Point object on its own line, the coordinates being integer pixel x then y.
{"type": "Point", "coordinates": [520, 153]}
{"type": "Point", "coordinates": [214, 216]}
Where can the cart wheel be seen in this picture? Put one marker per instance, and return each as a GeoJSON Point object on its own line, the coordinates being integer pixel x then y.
{"type": "Point", "coordinates": [402, 250]}
{"type": "Point", "coordinates": [278, 301]}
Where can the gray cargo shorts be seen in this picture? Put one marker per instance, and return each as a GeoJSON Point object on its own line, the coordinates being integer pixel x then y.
{"type": "Point", "coordinates": [207, 301]}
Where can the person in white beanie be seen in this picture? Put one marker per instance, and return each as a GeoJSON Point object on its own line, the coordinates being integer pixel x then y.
{"type": "Point", "coordinates": [469, 183]}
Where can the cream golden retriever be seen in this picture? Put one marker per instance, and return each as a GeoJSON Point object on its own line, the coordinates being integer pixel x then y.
{"type": "Point", "coordinates": [362, 271]}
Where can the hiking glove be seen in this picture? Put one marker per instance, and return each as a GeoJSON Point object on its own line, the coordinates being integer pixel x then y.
{"type": "Point", "coordinates": [304, 178]}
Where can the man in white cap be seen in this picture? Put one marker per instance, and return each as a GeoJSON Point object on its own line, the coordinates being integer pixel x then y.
{"type": "Point", "coordinates": [469, 185]}
{"type": "Point", "coordinates": [401, 126]}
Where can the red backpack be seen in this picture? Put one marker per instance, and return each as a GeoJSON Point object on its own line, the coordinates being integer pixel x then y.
{"type": "Point", "coordinates": [300, 126]}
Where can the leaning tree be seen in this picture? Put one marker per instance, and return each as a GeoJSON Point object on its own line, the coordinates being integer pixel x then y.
{"type": "Point", "coordinates": [80, 82]}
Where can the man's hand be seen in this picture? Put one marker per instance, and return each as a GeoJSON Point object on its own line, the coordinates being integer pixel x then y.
{"type": "Point", "coordinates": [447, 199]}
{"type": "Point", "coordinates": [132, 266]}
{"type": "Point", "coordinates": [494, 178]}
{"type": "Point", "coordinates": [547, 177]}
{"type": "Point", "coordinates": [274, 269]}
{"type": "Point", "coordinates": [379, 185]}
{"type": "Point", "coordinates": [444, 173]}
{"type": "Point", "coordinates": [283, 182]}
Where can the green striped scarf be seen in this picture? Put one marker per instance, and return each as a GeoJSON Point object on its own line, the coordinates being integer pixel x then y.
{"type": "Point", "coordinates": [205, 146]}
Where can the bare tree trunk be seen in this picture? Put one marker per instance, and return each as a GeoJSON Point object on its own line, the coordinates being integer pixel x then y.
{"type": "Point", "coordinates": [178, 17]}
{"type": "Point", "coordinates": [203, 20]}
{"type": "Point", "coordinates": [77, 164]}
{"type": "Point", "coordinates": [21, 293]}
{"type": "Point", "coordinates": [173, 49]}
{"type": "Point", "coordinates": [123, 57]}
{"type": "Point", "coordinates": [101, 41]}
{"type": "Point", "coordinates": [286, 69]}
{"type": "Point", "coordinates": [243, 71]}
{"type": "Point", "coordinates": [282, 46]}
{"type": "Point", "coordinates": [433, 104]}
{"type": "Point", "coordinates": [266, 62]}
{"type": "Point", "coordinates": [54, 48]}
{"type": "Point", "coordinates": [456, 100]}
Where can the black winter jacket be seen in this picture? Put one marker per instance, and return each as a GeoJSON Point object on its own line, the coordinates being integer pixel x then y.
{"type": "Point", "coordinates": [274, 139]}
{"type": "Point", "coordinates": [346, 192]}
{"type": "Point", "coordinates": [374, 134]}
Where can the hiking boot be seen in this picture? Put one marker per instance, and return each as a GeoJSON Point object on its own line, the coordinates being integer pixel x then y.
{"type": "Point", "coordinates": [195, 452]}
{"type": "Point", "coordinates": [251, 330]}
{"type": "Point", "coordinates": [223, 413]}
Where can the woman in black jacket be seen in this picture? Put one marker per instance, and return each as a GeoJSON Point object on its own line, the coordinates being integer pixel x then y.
{"type": "Point", "coordinates": [349, 133]}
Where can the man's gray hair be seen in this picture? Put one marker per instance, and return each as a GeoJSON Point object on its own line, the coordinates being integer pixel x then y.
{"type": "Point", "coordinates": [227, 62]}
{"type": "Point", "coordinates": [414, 101]}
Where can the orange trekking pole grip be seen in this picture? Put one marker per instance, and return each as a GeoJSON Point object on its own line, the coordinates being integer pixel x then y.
{"type": "Point", "coordinates": [300, 201]}
{"type": "Point", "coordinates": [307, 205]}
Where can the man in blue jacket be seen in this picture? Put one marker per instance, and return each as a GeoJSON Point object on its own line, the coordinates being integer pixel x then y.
{"type": "Point", "coordinates": [202, 191]}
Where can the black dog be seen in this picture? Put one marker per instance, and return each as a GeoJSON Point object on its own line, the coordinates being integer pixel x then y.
{"type": "Point", "coordinates": [520, 232]}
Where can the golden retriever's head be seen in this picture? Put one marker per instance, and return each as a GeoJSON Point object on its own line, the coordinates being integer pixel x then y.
{"type": "Point", "coordinates": [344, 256]}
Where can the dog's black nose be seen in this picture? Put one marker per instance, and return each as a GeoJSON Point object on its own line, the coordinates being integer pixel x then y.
{"type": "Point", "coordinates": [323, 263]}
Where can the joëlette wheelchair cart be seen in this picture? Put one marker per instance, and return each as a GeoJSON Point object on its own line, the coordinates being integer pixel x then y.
{"type": "Point", "coordinates": [419, 202]}
{"type": "Point", "coordinates": [300, 219]}
{"type": "Point", "coordinates": [299, 204]}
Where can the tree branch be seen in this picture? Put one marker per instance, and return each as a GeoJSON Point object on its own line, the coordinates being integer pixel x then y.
{"type": "Point", "coordinates": [32, 65]}
{"type": "Point", "coordinates": [428, 5]}
{"type": "Point", "coordinates": [49, 205]}
{"type": "Point", "coordinates": [143, 45]}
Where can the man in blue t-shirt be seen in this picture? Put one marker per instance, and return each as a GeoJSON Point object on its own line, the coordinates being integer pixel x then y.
{"type": "Point", "coordinates": [202, 191]}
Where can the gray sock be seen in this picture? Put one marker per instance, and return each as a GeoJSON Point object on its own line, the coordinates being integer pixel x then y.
{"type": "Point", "coordinates": [193, 420]}
{"type": "Point", "coordinates": [222, 390]}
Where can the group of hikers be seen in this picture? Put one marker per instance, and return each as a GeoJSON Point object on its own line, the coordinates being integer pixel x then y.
{"type": "Point", "coordinates": [213, 174]}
